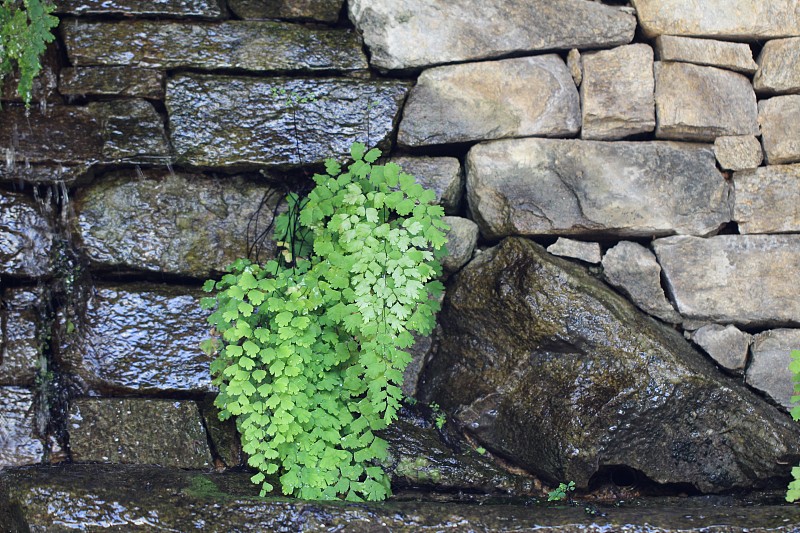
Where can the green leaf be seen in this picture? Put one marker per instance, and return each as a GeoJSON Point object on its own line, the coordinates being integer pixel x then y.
{"type": "Point", "coordinates": [357, 151]}
{"type": "Point", "coordinates": [372, 155]}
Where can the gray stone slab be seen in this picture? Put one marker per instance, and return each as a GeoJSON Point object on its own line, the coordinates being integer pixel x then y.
{"type": "Point", "coordinates": [767, 199]}
{"type": "Point", "coordinates": [591, 188]}
{"type": "Point", "coordinates": [778, 67]}
{"type": "Point", "coordinates": [259, 46]}
{"type": "Point", "coordinates": [695, 103]}
{"type": "Point", "coordinates": [176, 223]}
{"type": "Point", "coordinates": [112, 81]}
{"type": "Point", "coordinates": [138, 431]}
{"type": "Point", "coordinates": [139, 338]}
{"type": "Point", "coordinates": [442, 174]}
{"type": "Point", "coordinates": [769, 365]}
{"type": "Point", "coordinates": [165, 8]}
{"type": "Point", "coordinates": [18, 444]}
{"type": "Point", "coordinates": [780, 128]}
{"type": "Point", "coordinates": [745, 280]}
{"type": "Point", "coordinates": [617, 92]}
{"type": "Point", "coordinates": [589, 252]}
{"type": "Point", "coordinates": [313, 10]}
{"type": "Point", "coordinates": [735, 20]}
{"type": "Point", "coordinates": [738, 152]}
{"type": "Point", "coordinates": [26, 237]}
{"type": "Point", "coordinates": [20, 345]}
{"type": "Point", "coordinates": [223, 121]}
{"type": "Point", "coordinates": [123, 131]}
{"type": "Point", "coordinates": [633, 269]}
{"type": "Point", "coordinates": [727, 345]}
{"type": "Point", "coordinates": [530, 96]}
{"type": "Point", "coordinates": [732, 56]}
{"type": "Point", "coordinates": [461, 240]}
{"type": "Point", "coordinates": [432, 32]}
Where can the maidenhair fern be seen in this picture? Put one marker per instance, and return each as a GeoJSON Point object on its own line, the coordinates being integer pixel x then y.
{"type": "Point", "coordinates": [313, 345]}
{"type": "Point", "coordinates": [793, 493]}
{"type": "Point", "coordinates": [25, 30]}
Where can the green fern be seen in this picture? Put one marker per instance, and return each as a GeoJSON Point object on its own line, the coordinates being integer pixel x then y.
{"type": "Point", "coordinates": [25, 29]}
{"type": "Point", "coordinates": [313, 345]}
{"type": "Point", "coordinates": [793, 492]}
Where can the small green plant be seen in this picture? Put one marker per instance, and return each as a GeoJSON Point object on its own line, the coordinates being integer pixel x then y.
{"type": "Point", "coordinates": [481, 450]}
{"type": "Point", "coordinates": [562, 492]}
{"type": "Point", "coordinates": [313, 345]}
{"type": "Point", "coordinates": [25, 29]}
{"type": "Point", "coordinates": [793, 491]}
{"type": "Point", "coordinates": [439, 416]}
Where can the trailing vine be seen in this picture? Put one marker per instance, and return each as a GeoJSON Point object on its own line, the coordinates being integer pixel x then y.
{"type": "Point", "coordinates": [314, 344]}
{"type": "Point", "coordinates": [25, 29]}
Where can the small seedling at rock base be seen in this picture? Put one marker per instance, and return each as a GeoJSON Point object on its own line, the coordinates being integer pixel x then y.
{"type": "Point", "coordinates": [439, 418]}
{"type": "Point", "coordinates": [562, 492]}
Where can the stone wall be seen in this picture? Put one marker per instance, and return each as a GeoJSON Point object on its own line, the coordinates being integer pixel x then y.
{"type": "Point", "coordinates": [656, 143]}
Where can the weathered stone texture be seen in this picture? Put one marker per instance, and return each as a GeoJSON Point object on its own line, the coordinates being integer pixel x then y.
{"type": "Point", "coordinates": [746, 280]}
{"type": "Point", "coordinates": [177, 223]}
{"type": "Point", "coordinates": [168, 8]}
{"type": "Point", "coordinates": [732, 56]}
{"type": "Point", "coordinates": [425, 32]}
{"type": "Point", "coordinates": [588, 252]}
{"type": "Point", "coordinates": [779, 67]}
{"type": "Point", "coordinates": [727, 19]}
{"type": "Point", "coordinates": [633, 269]}
{"type": "Point", "coordinates": [738, 152]}
{"type": "Point", "coordinates": [617, 92]}
{"type": "Point", "coordinates": [548, 367]}
{"type": "Point", "coordinates": [461, 240]}
{"type": "Point", "coordinates": [780, 128]}
{"type": "Point", "coordinates": [247, 45]}
{"type": "Point", "coordinates": [767, 199]}
{"type": "Point", "coordinates": [20, 346]}
{"type": "Point", "coordinates": [575, 66]}
{"type": "Point", "coordinates": [531, 96]}
{"type": "Point", "coordinates": [727, 345]}
{"type": "Point", "coordinates": [139, 339]}
{"type": "Point", "coordinates": [317, 10]}
{"type": "Point", "coordinates": [441, 174]}
{"type": "Point", "coordinates": [112, 81]}
{"type": "Point", "coordinates": [18, 444]}
{"type": "Point", "coordinates": [695, 103]}
{"type": "Point", "coordinates": [26, 237]}
{"type": "Point", "coordinates": [138, 431]}
{"type": "Point", "coordinates": [769, 366]}
{"type": "Point", "coordinates": [124, 131]}
{"type": "Point", "coordinates": [46, 174]}
{"type": "Point", "coordinates": [570, 187]}
{"type": "Point", "coordinates": [235, 121]}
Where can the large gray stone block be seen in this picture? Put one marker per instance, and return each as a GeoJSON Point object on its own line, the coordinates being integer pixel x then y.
{"type": "Point", "coordinates": [431, 32]}
{"type": "Point", "coordinates": [224, 121]}
{"type": "Point", "coordinates": [745, 280]}
{"type": "Point", "coordinates": [695, 103]}
{"type": "Point", "coordinates": [779, 67]}
{"type": "Point", "coordinates": [738, 152]}
{"type": "Point", "coordinates": [732, 56]}
{"type": "Point", "coordinates": [727, 345]}
{"type": "Point", "coordinates": [243, 45]}
{"type": "Point", "coordinates": [769, 364]}
{"type": "Point", "coordinates": [571, 187]}
{"type": "Point", "coordinates": [177, 223]}
{"type": "Point", "coordinates": [530, 96]}
{"type": "Point", "coordinates": [617, 92]}
{"type": "Point", "coordinates": [767, 199]}
{"type": "Point", "coordinates": [780, 128]}
{"type": "Point", "coordinates": [726, 19]}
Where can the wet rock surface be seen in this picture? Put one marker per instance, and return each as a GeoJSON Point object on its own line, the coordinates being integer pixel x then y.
{"type": "Point", "coordinates": [176, 223]}
{"type": "Point", "coordinates": [419, 39]}
{"type": "Point", "coordinates": [141, 498]}
{"type": "Point", "coordinates": [571, 188]}
{"type": "Point", "coordinates": [125, 131]}
{"type": "Point", "coordinates": [26, 237]}
{"type": "Point", "coordinates": [779, 67]}
{"type": "Point", "coordinates": [491, 100]}
{"type": "Point", "coordinates": [768, 370]}
{"type": "Point", "coordinates": [48, 174]}
{"type": "Point", "coordinates": [18, 444]}
{"type": "Point", "coordinates": [745, 280]}
{"type": "Point", "coordinates": [112, 81]}
{"type": "Point", "coordinates": [720, 103]}
{"type": "Point", "coordinates": [732, 56]}
{"type": "Point", "coordinates": [767, 199]}
{"type": "Point", "coordinates": [617, 92]}
{"type": "Point", "coordinates": [139, 339]}
{"type": "Point", "coordinates": [175, 8]}
{"type": "Point", "coordinates": [731, 19]}
{"type": "Point", "coordinates": [546, 366]}
{"type": "Point", "coordinates": [138, 431]}
{"type": "Point", "coordinates": [318, 10]}
{"type": "Point", "coordinates": [20, 345]}
{"type": "Point", "coordinates": [229, 121]}
{"type": "Point", "coordinates": [224, 45]}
